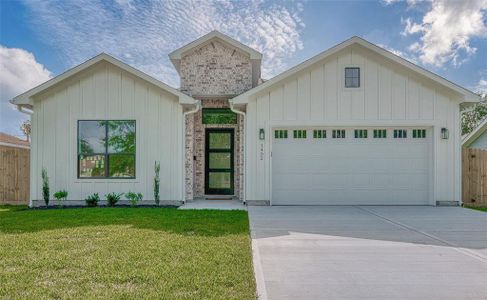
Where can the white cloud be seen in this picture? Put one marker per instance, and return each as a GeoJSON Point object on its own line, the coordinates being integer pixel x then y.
{"type": "Point", "coordinates": [399, 53]}
{"type": "Point", "coordinates": [481, 86]}
{"type": "Point", "coordinates": [446, 31]}
{"type": "Point", "coordinates": [19, 72]}
{"type": "Point", "coordinates": [143, 33]}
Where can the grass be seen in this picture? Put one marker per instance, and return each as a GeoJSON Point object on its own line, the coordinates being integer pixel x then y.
{"type": "Point", "coordinates": [122, 253]}
{"type": "Point", "coordinates": [481, 208]}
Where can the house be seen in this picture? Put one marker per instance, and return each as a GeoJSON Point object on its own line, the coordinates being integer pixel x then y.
{"type": "Point", "coordinates": [355, 124]}
{"type": "Point", "coordinates": [477, 138]}
{"type": "Point", "coordinates": [8, 140]}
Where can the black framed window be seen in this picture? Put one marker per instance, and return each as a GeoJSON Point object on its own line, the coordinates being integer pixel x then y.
{"type": "Point", "coordinates": [352, 77]}
{"type": "Point", "coordinates": [106, 149]}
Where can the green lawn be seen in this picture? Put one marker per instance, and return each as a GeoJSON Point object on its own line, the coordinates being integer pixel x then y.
{"type": "Point", "coordinates": [125, 253]}
{"type": "Point", "coordinates": [477, 208]}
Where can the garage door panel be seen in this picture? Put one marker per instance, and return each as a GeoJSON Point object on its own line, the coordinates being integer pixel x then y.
{"type": "Point", "coordinates": [351, 171]}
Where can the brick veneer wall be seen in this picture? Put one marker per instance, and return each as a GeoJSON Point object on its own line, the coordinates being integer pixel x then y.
{"type": "Point", "coordinates": [215, 69]}
{"type": "Point", "coordinates": [213, 73]}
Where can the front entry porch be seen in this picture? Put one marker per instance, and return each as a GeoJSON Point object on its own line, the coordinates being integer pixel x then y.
{"type": "Point", "coordinates": [214, 156]}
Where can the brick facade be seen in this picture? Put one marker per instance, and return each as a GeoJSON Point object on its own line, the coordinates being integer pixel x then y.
{"type": "Point", "coordinates": [212, 73]}
{"type": "Point", "coordinates": [215, 70]}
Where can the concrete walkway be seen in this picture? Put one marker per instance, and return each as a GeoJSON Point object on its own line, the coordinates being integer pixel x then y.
{"type": "Point", "coordinates": [369, 252]}
{"type": "Point", "coordinates": [214, 204]}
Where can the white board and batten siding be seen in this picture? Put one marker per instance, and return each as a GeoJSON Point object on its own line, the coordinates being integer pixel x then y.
{"type": "Point", "coordinates": [106, 92]}
{"type": "Point", "coordinates": [390, 96]}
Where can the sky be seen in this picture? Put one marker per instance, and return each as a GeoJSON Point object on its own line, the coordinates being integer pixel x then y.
{"type": "Point", "coordinates": [41, 39]}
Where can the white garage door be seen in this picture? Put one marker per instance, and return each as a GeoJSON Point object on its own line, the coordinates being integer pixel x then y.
{"type": "Point", "coordinates": [383, 166]}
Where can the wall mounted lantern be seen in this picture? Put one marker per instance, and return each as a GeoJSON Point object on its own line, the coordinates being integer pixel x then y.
{"type": "Point", "coordinates": [444, 133]}
{"type": "Point", "coordinates": [261, 134]}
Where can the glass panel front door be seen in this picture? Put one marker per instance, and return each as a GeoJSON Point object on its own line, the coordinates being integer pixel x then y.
{"type": "Point", "coordinates": [219, 161]}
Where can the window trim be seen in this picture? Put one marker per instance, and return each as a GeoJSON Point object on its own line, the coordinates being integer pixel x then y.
{"type": "Point", "coordinates": [106, 154]}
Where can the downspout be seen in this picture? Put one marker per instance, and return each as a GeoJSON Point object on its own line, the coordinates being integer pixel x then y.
{"type": "Point", "coordinates": [244, 173]}
{"type": "Point", "coordinates": [198, 106]}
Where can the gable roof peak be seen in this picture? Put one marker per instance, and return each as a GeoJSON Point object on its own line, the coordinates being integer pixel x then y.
{"type": "Point", "coordinates": [177, 54]}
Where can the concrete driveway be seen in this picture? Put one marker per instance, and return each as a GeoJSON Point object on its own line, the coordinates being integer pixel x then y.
{"type": "Point", "coordinates": [369, 252]}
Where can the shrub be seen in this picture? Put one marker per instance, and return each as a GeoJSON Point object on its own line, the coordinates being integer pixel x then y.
{"type": "Point", "coordinates": [134, 198]}
{"type": "Point", "coordinates": [45, 186]}
{"type": "Point", "coordinates": [113, 198]}
{"type": "Point", "coordinates": [92, 200]}
{"type": "Point", "coordinates": [157, 169]}
{"type": "Point", "coordinates": [61, 196]}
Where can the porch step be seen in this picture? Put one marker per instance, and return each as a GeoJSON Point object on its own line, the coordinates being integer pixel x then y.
{"type": "Point", "coordinates": [218, 197]}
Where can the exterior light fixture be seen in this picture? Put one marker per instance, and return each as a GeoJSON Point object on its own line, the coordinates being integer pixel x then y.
{"type": "Point", "coordinates": [261, 134]}
{"type": "Point", "coordinates": [444, 133]}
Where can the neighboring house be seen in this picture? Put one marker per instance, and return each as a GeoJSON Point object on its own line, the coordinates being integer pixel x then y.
{"type": "Point", "coordinates": [14, 170]}
{"type": "Point", "coordinates": [355, 124]}
{"type": "Point", "coordinates": [477, 138]}
{"type": "Point", "coordinates": [12, 141]}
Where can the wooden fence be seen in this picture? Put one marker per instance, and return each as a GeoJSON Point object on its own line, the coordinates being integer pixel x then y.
{"type": "Point", "coordinates": [474, 176]}
{"type": "Point", "coordinates": [14, 175]}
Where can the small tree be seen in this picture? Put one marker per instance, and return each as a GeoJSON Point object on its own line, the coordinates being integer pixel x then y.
{"type": "Point", "coordinates": [157, 169]}
{"type": "Point", "coordinates": [61, 196]}
{"type": "Point", "coordinates": [472, 116]}
{"type": "Point", "coordinates": [26, 128]}
{"type": "Point", "coordinates": [45, 186]}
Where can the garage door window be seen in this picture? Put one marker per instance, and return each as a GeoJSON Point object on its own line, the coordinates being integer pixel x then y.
{"type": "Point", "coordinates": [380, 133]}
{"type": "Point", "coordinates": [299, 134]}
{"type": "Point", "coordinates": [419, 133]}
{"type": "Point", "coordinates": [338, 133]}
{"type": "Point", "coordinates": [360, 133]}
{"type": "Point", "coordinates": [280, 134]}
{"type": "Point", "coordinates": [400, 133]}
{"type": "Point", "coordinates": [319, 134]}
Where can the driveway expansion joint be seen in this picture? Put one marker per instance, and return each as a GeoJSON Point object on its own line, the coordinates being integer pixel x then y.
{"type": "Point", "coordinates": [468, 252]}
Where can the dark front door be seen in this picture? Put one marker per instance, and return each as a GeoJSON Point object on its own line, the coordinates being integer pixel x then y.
{"type": "Point", "coordinates": [219, 161]}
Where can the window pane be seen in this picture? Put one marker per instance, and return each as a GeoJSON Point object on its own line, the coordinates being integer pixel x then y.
{"type": "Point", "coordinates": [121, 136]}
{"type": "Point", "coordinates": [121, 165]}
{"type": "Point", "coordinates": [219, 180]}
{"type": "Point", "coordinates": [219, 116]}
{"type": "Point", "coordinates": [91, 166]}
{"type": "Point", "coordinates": [220, 160]}
{"type": "Point", "coordinates": [348, 82]}
{"type": "Point", "coordinates": [220, 140]}
{"type": "Point", "coordinates": [356, 72]}
{"type": "Point", "coordinates": [355, 82]}
{"type": "Point", "coordinates": [348, 72]}
{"type": "Point", "coordinates": [91, 137]}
